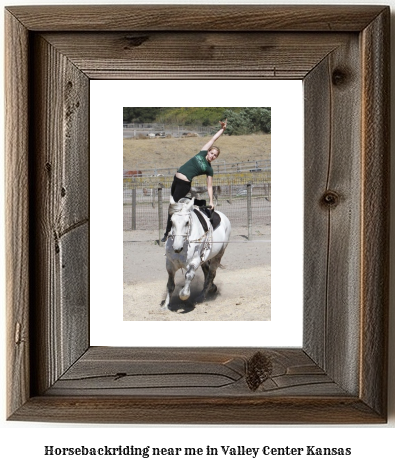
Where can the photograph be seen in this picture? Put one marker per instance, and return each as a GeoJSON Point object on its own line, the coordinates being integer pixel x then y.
{"type": "Point", "coordinates": [197, 209]}
{"type": "Point", "coordinates": [102, 280]}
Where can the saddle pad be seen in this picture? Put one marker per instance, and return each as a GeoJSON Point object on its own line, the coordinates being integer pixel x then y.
{"type": "Point", "coordinates": [202, 219]}
{"type": "Point", "coordinates": [215, 219]}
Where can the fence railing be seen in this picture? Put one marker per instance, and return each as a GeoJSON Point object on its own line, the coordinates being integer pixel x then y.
{"type": "Point", "coordinates": [220, 167]}
{"type": "Point", "coordinates": [134, 130]}
{"type": "Point", "coordinates": [244, 197]}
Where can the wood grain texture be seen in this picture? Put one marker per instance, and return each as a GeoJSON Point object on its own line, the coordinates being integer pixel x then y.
{"type": "Point", "coordinates": [123, 385]}
{"type": "Point", "coordinates": [198, 410]}
{"type": "Point", "coordinates": [17, 213]}
{"type": "Point", "coordinates": [316, 161]}
{"type": "Point", "coordinates": [339, 376]}
{"type": "Point", "coordinates": [332, 214]}
{"type": "Point", "coordinates": [60, 185]}
{"type": "Point", "coordinates": [375, 211]}
{"type": "Point", "coordinates": [183, 372]}
{"type": "Point", "coordinates": [184, 55]}
{"type": "Point", "coordinates": [196, 17]}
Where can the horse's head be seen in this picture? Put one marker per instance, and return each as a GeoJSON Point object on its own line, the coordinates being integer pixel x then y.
{"type": "Point", "coordinates": [180, 218]}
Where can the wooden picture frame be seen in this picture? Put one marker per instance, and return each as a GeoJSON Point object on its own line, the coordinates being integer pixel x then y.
{"type": "Point", "coordinates": [340, 374]}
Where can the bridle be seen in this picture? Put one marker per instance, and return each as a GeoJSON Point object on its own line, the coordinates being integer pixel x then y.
{"type": "Point", "coordinates": [188, 234]}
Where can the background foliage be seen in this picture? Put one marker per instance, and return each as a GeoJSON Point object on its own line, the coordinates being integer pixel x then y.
{"type": "Point", "coordinates": [241, 121]}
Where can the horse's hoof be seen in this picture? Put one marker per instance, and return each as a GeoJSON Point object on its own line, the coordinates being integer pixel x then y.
{"type": "Point", "coordinates": [183, 296]}
{"type": "Point", "coordinates": [213, 289]}
{"type": "Point", "coordinates": [200, 299]}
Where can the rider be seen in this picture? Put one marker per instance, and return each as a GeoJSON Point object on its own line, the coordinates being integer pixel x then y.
{"type": "Point", "coordinates": [200, 164]}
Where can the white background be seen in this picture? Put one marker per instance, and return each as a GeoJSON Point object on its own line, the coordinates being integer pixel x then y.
{"type": "Point", "coordinates": [107, 100]}
{"type": "Point", "coordinates": [22, 444]}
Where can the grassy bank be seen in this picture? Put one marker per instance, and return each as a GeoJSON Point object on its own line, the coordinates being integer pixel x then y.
{"type": "Point", "coordinates": [162, 153]}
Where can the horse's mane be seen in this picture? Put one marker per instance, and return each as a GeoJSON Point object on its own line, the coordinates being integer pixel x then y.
{"type": "Point", "coordinates": [177, 206]}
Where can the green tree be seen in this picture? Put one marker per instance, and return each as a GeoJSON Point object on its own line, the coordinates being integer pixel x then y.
{"type": "Point", "coordinates": [140, 114]}
{"type": "Point", "coordinates": [248, 121]}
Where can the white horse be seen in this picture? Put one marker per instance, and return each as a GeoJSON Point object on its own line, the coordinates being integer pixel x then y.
{"type": "Point", "coordinates": [190, 246]}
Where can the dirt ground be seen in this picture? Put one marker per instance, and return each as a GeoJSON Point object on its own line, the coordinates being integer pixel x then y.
{"type": "Point", "coordinates": [243, 285]}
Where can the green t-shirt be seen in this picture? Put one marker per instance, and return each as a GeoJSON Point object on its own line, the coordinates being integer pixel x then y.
{"type": "Point", "coordinates": [197, 165]}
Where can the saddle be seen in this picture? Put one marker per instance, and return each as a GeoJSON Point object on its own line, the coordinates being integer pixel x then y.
{"type": "Point", "coordinates": [212, 216]}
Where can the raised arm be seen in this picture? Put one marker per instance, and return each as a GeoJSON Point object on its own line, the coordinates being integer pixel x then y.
{"type": "Point", "coordinates": [210, 143]}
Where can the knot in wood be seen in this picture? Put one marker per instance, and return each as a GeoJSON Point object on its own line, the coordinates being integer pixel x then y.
{"type": "Point", "coordinates": [135, 41]}
{"type": "Point", "coordinates": [259, 369]}
{"type": "Point", "coordinates": [330, 199]}
{"type": "Point", "coordinates": [339, 77]}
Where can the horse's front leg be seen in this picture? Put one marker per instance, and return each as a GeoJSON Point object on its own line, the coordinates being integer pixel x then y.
{"type": "Point", "coordinates": [170, 284]}
{"type": "Point", "coordinates": [190, 274]}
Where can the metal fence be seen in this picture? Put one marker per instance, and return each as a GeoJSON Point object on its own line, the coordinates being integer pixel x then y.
{"type": "Point", "coordinates": [219, 167]}
{"type": "Point", "coordinates": [244, 197]}
{"type": "Point", "coordinates": [155, 129]}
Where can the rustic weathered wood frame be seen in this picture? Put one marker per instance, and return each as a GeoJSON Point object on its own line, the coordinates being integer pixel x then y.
{"type": "Point", "coordinates": [339, 375]}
